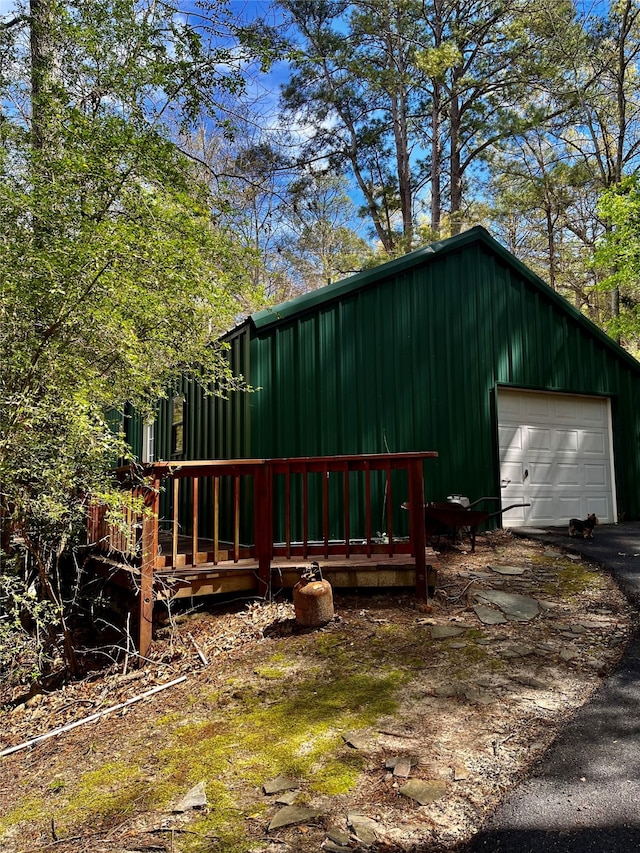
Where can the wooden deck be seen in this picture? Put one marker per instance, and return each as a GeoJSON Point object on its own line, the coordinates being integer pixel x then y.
{"type": "Point", "coordinates": [159, 550]}
{"type": "Point", "coordinates": [359, 572]}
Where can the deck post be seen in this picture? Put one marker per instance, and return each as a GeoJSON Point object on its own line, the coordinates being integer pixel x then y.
{"type": "Point", "coordinates": [261, 527]}
{"type": "Point", "coordinates": [416, 526]}
{"type": "Point", "coordinates": [149, 551]}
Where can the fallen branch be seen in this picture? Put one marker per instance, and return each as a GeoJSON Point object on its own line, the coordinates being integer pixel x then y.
{"type": "Point", "coordinates": [93, 717]}
{"type": "Point", "coordinates": [126, 657]}
{"type": "Point", "coordinates": [201, 654]}
{"type": "Point", "coordinates": [67, 839]}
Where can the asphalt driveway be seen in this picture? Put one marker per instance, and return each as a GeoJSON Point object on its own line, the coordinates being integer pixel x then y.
{"type": "Point", "coordinates": [585, 794]}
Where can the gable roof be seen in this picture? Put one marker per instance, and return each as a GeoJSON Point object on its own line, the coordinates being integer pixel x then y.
{"type": "Point", "coordinates": [477, 235]}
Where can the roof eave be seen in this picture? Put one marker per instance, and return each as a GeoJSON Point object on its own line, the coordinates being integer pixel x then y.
{"type": "Point", "coordinates": [308, 301]}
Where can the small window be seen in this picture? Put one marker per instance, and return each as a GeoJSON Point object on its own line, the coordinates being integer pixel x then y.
{"type": "Point", "coordinates": [177, 426]}
{"type": "Point", "coordinates": [149, 442]}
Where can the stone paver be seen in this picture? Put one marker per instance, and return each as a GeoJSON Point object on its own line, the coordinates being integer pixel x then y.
{"type": "Point", "coordinates": [424, 790]}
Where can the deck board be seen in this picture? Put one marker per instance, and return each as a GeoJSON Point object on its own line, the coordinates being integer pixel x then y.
{"type": "Point", "coordinates": [207, 578]}
{"type": "Point", "coordinates": [227, 576]}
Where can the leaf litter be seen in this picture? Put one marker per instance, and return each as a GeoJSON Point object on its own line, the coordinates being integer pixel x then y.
{"type": "Point", "coordinates": [466, 713]}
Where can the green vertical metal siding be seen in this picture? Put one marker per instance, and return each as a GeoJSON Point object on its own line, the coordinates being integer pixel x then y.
{"type": "Point", "coordinates": [409, 356]}
{"type": "Point", "coordinates": [410, 360]}
{"type": "Point", "coordinates": [215, 427]}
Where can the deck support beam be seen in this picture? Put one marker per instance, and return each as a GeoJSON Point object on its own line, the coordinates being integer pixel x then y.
{"type": "Point", "coordinates": [416, 526]}
{"type": "Point", "coordinates": [261, 528]}
{"type": "Point", "coordinates": [149, 551]}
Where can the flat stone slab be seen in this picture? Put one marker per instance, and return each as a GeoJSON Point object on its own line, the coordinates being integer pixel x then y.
{"type": "Point", "coordinates": [291, 815]}
{"type": "Point", "coordinates": [287, 798]}
{"type": "Point", "coordinates": [508, 570]}
{"type": "Point", "coordinates": [442, 632]}
{"type": "Point", "coordinates": [363, 827]}
{"type": "Point", "coordinates": [196, 798]}
{"type": "Point", "coordinates": [520, 608]}
{"type": "Point", "coordinates": [391, 763]}
{"type": "Point", "coordinates": [479, 697]}
{"type": "Point", "coordinates": [489, 615]}
{"type": "Point", "coordinates": [402, 768]}
{"type": "Point", "coordinates": [568, 655]}
{"type": "Point", "coordinates": [338, 836]}
{"type": "Point", "coordinates": [279, 784]}
{"type": "Point", "coordinates": [520, 651]}
{"type": "Point", "coordinates": [424, 790]}
{"type": "Point", "coordinates": [357, 740]}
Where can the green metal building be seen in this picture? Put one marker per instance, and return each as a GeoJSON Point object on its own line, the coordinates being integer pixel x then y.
{"type": "Point", "coordinates": [457, 348]}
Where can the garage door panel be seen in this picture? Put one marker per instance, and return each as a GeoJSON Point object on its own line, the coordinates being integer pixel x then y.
{"type": "Point", "coordinates": [515, 517]}
{"type": "Point", "coordinates": [568, 474]}
{"type": "Point", "coordinates": [562, 443]}
{"type": "Point", "coordinates": [601, 507]}
{"type": "Point", "coordinates": [565, 410]}
{"type": "Point", "coordinates": [510, 437]}
{"type": "Point", "coordinates": [593, 443]}
{"type": "Point", "coordinates": [541, 509]}
{"type": "Point", "coordinates": [513, 472]}
{"type": "Point", "coordinates": [567, 440]}
{"type": "Point", "coordinates": [595, 475]}
{"type": "Point", "coordinates": [539, 473]}
{"type": "Point", "coordinates": [538, 439]}
{"type": "Point", "coordinates": [537, 405]}
{"type": "Point", "coordinates": [571, 508]}
{"type": "Point", "coordinates": [510, 405]}
{"type": "Point", "coordinates": [594, 413]}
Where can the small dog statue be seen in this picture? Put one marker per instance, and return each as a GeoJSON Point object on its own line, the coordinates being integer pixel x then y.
{"type": "Point", "coordinates": [577, 527]}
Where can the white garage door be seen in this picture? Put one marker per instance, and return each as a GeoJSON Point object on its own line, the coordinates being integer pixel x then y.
{"type": "Point", "coordinates": [556, 454]}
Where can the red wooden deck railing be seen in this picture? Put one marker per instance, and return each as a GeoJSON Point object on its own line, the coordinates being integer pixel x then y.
{"type": "Point", "coordinates": [313, 497]}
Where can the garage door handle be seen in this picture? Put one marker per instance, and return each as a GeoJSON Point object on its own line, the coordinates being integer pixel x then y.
{"type": "Point", "coordinates": [526, 474]}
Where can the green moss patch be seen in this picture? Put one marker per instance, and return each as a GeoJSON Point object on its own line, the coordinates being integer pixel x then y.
{"type": "Point", "coordinates": [572, 579]}
{"type": "Point", "coordinates": [287, 716]}
{"type": "Point", "coordinates": [96, 796]}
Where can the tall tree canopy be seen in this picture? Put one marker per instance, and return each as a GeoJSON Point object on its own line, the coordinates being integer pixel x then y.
{"type": "Point", "coordinates": [411, 97]}
{"type": "Point", "coordinates": [114, 274]}
{"type": "Point", "coordinates": [443, 113]}
{"type": "Point", "coordinates": [618, 257]}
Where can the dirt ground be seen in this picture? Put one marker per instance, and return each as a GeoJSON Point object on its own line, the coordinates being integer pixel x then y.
{"type": "Point", "coordinates": [389, 694]}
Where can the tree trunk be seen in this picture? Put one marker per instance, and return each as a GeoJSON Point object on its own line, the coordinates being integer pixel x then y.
{"type": "Point", "coordinates": [399, 115]}
{"type": "Point", "coordinates": [436, 155]}
{"type": "Point", "coordinates": [43, 66]}
{"type": "Point", "coordinates": [551, 242]}
{"type": "Point", "coordinates": [456, 173]}
{"type": "Point", "coordinates": [399, 112]}
{"type": "Point", "coordinates": [615, 309]}
{"type": "Point", "coordinates": [436, 128]}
